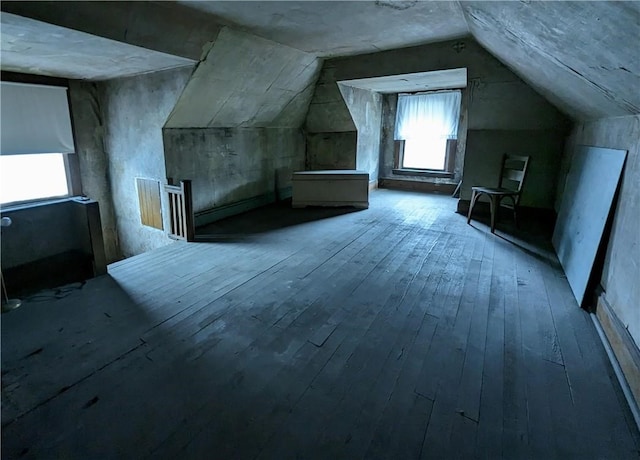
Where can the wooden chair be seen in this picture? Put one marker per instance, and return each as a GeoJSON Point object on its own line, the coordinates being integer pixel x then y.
{"type": "Point", "coordinates": [512, 175]}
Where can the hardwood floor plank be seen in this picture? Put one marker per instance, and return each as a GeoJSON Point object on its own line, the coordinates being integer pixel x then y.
{"type": "Point", "coordinates": [476, 304]}
{"type": "Point", "coordinates": [477, 297]}
{"type": "Point", "coordinates": [348, 287]}
{"type": "Point", "coordinates": [394, 332]}
{"type": "Point", "coordinates": [443, 291]}
{"type": "Point", "coordinates": [582, 354]}
{"type": "Point", "coordinates": [397, 327]}
{"type": "Point", "coordinates": [491, 410]}
{"type": "Point", "coordinates": [452, 339]}
{"type": "Point", "coordinates": [202, 314]}
{"type": "Point", "coordinates": [515, 418]}
{"type": "Point", "coordinates": [541, 441]}
{"type": "Point", "coordinates": [400, 428]}
{"type": "Point", "coordinates": [349, 361]}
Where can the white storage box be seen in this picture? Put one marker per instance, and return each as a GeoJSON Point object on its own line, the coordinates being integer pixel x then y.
{"type": "Point", "coordinates": [342, 187]}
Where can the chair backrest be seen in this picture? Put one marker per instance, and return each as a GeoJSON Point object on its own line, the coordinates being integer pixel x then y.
{"type": "Point", "coordinates": [513, 172]}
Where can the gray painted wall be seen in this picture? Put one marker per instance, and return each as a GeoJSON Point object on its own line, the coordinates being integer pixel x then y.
{"type": "Point", "coordinates": [621, 270]}
{"type": "Point", "coordinates": [89, 128]}
{"type": "Point", "coordinates": [328, 112]}
{"type": "Point", "coordinates": [331, 132]}
{"type": "Point", "coordinates": [366, 111]}
{"type": "Point", "coordinates": [331, 151]}
{"type": "Point", "coordinates": [228, 165]}
{"type": "Point", "coordinates": [497, 99]}
{"type": "Point", "coordinates": [135, 110]}
{"type": "Point", "coordinates": [484, 155]}
{"type": "Point", "coordinates": [235, 131]}
{"type": "Point", "coordinates": [41, 231]}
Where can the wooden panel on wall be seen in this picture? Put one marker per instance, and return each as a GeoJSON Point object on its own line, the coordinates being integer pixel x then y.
{"type": "Point", "coordinates": [150, 207]}
{"type": "Point", "coordinates": [623, 347]}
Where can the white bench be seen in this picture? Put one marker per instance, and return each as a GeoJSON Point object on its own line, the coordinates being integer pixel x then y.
{"type": "Point", "coordinates": [342, 187]}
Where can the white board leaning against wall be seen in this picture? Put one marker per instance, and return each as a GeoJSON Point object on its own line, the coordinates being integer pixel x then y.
{"type": "Point", "coordinates": [588, 195]}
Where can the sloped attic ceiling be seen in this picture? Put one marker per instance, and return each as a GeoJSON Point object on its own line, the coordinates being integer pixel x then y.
{"type": "Point", "coordinates": [582, 56]}
{"type": "Point", "coordinates": [36, 47]}
{"type": "Point", "coordinates": [339, 28]}
{"type": "Point", "coordinates": [246, 81]}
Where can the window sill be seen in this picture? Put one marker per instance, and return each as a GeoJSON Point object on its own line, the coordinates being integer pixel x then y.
{"type": "Point", "coordinates": [17, 206]}
{"type": "Point", "coordinates": [422, 172]}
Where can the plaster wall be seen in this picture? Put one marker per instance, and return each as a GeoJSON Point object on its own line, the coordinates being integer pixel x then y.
{"type": "Point", "coordinates": [227, 165]}
{"type": "Point", "coordinates": [89, 130]}
{"type": "Point", "coordinates": [135, 110]}
{"type": "Point", "coordinates": [484, 155]}
{"type": "Point", "coordinates": [621, 270]}
{"type": "Point", "coordinates": [235, 130]}
{"type": "Point", "coordinates": [497, 99]}
{"type": "Point", "coordinates": [366, 111]}
{"type": "Point", "coordinates": [331, 151]}
{"type": "Point", "coordinates": [51, 244]}
{"type": "Point", "coordinates": [40, 231]}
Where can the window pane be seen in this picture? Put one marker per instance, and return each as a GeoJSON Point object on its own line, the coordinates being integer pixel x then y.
{"type": "Point", "coordinates": [425, 153]}
{"type": "Point", "coordinates": [30, 177]}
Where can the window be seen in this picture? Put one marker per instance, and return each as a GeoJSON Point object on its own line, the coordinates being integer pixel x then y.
{"type": "Point", "coordinates": [35, 141]}
{"type": "Point", "coordinates": [32, 177]}
{"type": "Point", "coordinates": [424, 153]}
{"type": "Point", "coordinates": [426, 130]}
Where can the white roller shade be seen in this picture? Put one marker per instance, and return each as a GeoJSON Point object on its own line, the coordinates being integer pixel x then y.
{"type": "Point", "coordinates": [34, 119]}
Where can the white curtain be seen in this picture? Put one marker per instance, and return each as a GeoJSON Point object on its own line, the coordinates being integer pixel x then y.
{"type": "Point", "coordinates": [432, 115]}
{"type": "Point", "coordinates": [34, 119]}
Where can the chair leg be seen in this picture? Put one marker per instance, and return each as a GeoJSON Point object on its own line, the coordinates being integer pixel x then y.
{"type": "Point", "coordinates": [495, 200]}
{"type": "Point", "coordinates": [472, 203]}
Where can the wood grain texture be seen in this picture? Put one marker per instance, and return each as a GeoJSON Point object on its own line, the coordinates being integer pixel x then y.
{"type": "Point", "coordinates": [393, 332]}
{"type": "Point", "coordinates": [623, 347]}
{"type": "Point", "coordinates": [150, 204]}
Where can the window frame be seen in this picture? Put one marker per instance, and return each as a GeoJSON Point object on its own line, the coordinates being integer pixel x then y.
{"type": "Point", "coordinates": [451, 146]}
{"type": "Point", "coordinates": [72, 176]}
{"type": "Point", "coordinates": [71, 161]}
{"type": "Point", "coordinates": [449, 161]}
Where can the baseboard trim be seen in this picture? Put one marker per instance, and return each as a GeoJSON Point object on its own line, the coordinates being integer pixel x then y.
{"type": "Point", "coordinates": [373, 184]}
{"type": "Point", "coordinates": [417, 185]}
{"type": "Point", "coordinates": [330, 204]}
{"type": "Point", "coordinates": [622, 352]}
{"type": "Point", "coordinates": [233, 209]}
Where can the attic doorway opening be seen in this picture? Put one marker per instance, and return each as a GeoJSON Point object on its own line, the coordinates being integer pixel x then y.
{"type": "Point", "coordinates": [427, 128]}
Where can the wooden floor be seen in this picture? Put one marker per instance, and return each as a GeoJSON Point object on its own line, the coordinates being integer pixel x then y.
{"type": "Point", "coordinates": [396, 332]}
